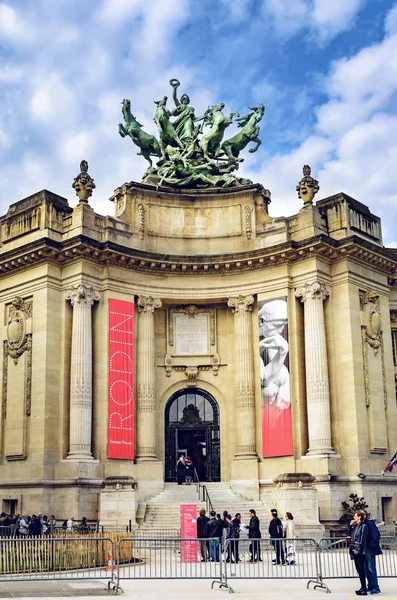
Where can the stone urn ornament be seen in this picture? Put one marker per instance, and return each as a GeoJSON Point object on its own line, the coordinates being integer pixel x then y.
{"type": "Point", "coordinates": [83, 184]}
{"type": "Point", "coordinates": [308, 187]}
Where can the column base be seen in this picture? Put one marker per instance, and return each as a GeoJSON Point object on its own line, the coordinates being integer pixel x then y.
{"type": "Point", "coordinates": [146, 458]}
{"type": "Point", "coordinates": [246, 456]}
{"type": "Point", "coordinates": [320, 452]}
{"type": "Point", "coordinates": [79, 457]}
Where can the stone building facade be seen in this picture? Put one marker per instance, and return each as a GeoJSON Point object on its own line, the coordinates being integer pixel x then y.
{"type": "Point", "coordinates": [200, 262]}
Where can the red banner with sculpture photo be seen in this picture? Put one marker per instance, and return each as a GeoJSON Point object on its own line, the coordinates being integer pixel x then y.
{"type": "Point", "coordinates": [275, 378]}
{"type": "Point", "coordinates": [121, 380]}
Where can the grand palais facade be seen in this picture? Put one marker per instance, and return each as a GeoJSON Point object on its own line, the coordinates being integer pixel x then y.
{"type": "Point", "coordinates": [193, 322]}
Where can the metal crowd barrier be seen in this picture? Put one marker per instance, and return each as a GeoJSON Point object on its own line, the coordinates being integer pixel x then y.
{"type": "Point", "coordinates": [257, 559]}
{"type": "Point", "coordinates": [40, 558]}
{"type": "Point", "coordinates": [147, 533]}
{"type": "Point", "coordinates": [336, 562]}
{"type": "Point", "coordinates": [168, 559]}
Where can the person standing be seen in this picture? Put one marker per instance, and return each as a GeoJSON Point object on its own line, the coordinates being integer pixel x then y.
{"type": "Point", "coordinates": [373, 550]}
{"type": "Point", "coordinates": [276, 535]}
{"type": "Point", "coordinates": [289, 534]}
{"type": "Point", "coordinates": [236, 536]}
{"type": "Point", "coordinates": [358, 548]}
{"type": "Point", "coordinates": [202, 521]}
{"type": "Point", "coordinates": [69, 526]}
{"type": "Point", "coordinates": [214, 534]}
{"type": "Point", "coordinates": [254, 533]}
{"type": "Point", "coordinates": [35, 526]}
{"type": "Point", "coordinates": [188, 470]}
{"type": "Point", "coordinates": [228, 535]}
{"type": "Point", "coordinates": [180, 470]}
{"type": "Point", "coordinates": [52, 523]}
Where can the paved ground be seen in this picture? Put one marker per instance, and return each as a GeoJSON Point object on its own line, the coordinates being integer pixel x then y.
{"type": "Point", "coordinates": [192, 590]}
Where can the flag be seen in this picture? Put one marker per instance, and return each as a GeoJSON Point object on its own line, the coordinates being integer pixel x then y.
{"type": "Point", "coordinates": [392, 462]}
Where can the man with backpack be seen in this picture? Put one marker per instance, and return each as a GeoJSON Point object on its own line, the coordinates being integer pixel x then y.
{"type": "Point", "coordinates": [276, 535]}
{"type": "Point", "coordinates": [373, 550]}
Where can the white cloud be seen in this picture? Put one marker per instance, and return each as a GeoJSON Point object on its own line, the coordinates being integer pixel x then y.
{"type": "Point", "coordinates": [391, 21]}
{"type": "Point", "coordinates": [329, 18]}
{"type": "Point", "coordinates": [53, 100]}
{"type": "Point", "coordinates": [353, 147]}
{"type": "Point", "coordinates": [323, 19]}
{"type": "Point", "coordinates": [13, 27]}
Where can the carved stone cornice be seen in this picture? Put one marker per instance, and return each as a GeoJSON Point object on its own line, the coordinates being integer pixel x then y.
{"type": "Point", "coordinates": [313, 291]}
{"type": "Point", "coordinates": [147, 304]}
{"type": "Point", "coordinates": [81, 294]}
{"type": "Point", "coordinates": [108, 253]}
{"type": "Point", "coordinates": [241, 303]}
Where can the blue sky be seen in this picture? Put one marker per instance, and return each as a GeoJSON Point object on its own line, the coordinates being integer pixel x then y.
{"type": "Point", "coordinates": [326, 71]}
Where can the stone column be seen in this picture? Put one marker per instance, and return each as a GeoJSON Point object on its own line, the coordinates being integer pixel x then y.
{"type": "Point", "coordinates": [146, 383]}
{"type": "Point", "coordinates": [244, 375]}
{"type": "Point", "coordinates": [82, 298]}
{"type": "Point", "coordinates": [317, 385]}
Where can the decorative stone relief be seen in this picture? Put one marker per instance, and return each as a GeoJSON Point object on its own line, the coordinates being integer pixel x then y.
{"type": "Point", "coordinates": [372, 335]}
{"type": "Point", "coordinates": [120, 482]}
{"type": "Point", "coordinates": [168, 364]}
{"type": "Point", "coordinates": [248, 221]}
{"type": "Point", "coordinates": [372, 327]}
{"type": "Point", "coordinates": [17, 342]}
{"type": "Point", "coordinates": [141, 221]}
{"type": "Point", "coordinates": [191, 363]}
{"type": "Point", "coordinates": [191, 375]}
{"type": "Point", "coordinates": [393, 316]}
{"type": "Point", "coordinates": [191, 311]}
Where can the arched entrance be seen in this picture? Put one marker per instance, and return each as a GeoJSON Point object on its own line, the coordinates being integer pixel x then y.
{"type": "Point", "coordinates": [192, 428]}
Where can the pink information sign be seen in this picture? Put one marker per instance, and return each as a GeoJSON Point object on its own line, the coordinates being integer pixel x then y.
{"type": "Point", "coordinates": [189, 550]}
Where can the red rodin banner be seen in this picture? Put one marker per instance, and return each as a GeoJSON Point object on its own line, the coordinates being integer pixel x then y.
{"type": "Point", "coordinates": [121, 380]}
{"type": "Point", "coordinates": [275, 378]}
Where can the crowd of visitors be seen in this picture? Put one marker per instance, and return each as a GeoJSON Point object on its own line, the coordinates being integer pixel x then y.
{"type": "Point", "coordinates": [217, 530]}
{"type": "Point", "coordinates": [38, 525]}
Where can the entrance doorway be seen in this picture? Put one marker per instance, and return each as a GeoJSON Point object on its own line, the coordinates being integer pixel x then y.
{"type": "Point", "coordinates": [192, 429]}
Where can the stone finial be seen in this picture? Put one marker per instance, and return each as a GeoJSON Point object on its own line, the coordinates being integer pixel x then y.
{"type": "Point", "coordinates": [308, 187]}
{"type": "Point", "coordinates": [83, 183]}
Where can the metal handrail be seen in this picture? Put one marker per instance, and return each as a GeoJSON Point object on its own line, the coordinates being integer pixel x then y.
{"type": "Point", "coordinates": [206, 498]}
{"type": "Point", "coordinates": [196, 480]}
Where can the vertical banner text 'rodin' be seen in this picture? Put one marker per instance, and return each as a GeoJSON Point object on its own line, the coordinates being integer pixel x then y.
{"type": "Point", "coordinates": [121, 380]}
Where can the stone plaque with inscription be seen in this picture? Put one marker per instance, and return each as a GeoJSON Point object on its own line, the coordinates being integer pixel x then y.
{"type": "Point", "coordinates": [191, 334]}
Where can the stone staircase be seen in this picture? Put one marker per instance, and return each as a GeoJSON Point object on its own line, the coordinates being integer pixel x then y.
{"type": "Point", "coordinates": [163, 510]}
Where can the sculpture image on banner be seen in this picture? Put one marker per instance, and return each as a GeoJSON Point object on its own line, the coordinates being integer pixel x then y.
{"type": "Point", "coordinates": [275, 378]}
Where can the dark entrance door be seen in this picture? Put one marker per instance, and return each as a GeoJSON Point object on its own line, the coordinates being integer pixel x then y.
{"type": "Point", "coordinates": [192, 429]}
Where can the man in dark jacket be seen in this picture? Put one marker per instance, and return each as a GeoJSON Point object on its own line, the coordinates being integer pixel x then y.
{"type": "Point", "coordinates": [35, 527]}
{"type": "Point", "coordinates": [358, 548]}
{"type": "Point", "coordinates": [213, 531]}
{"type": "Point", "coordinates": [236, 536]}
{"type": "Point", "coordinates": [276, 534]}
{"type": "Point", "coordinates": [254, 533]}
{"type": "Point", "coordinates": [373, 550]}
{"type": "Point", "coordinates": [201, 534]}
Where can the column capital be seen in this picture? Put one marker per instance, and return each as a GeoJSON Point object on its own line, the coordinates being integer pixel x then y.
{"type": "Point", "coordinates": [241, 303]}
{"type": "Point", "coordinates": [148, 304]}
{"type": "Point", "coordinates": [312, 291]}
{"type": "Point", "coordinates": [82, 294]}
